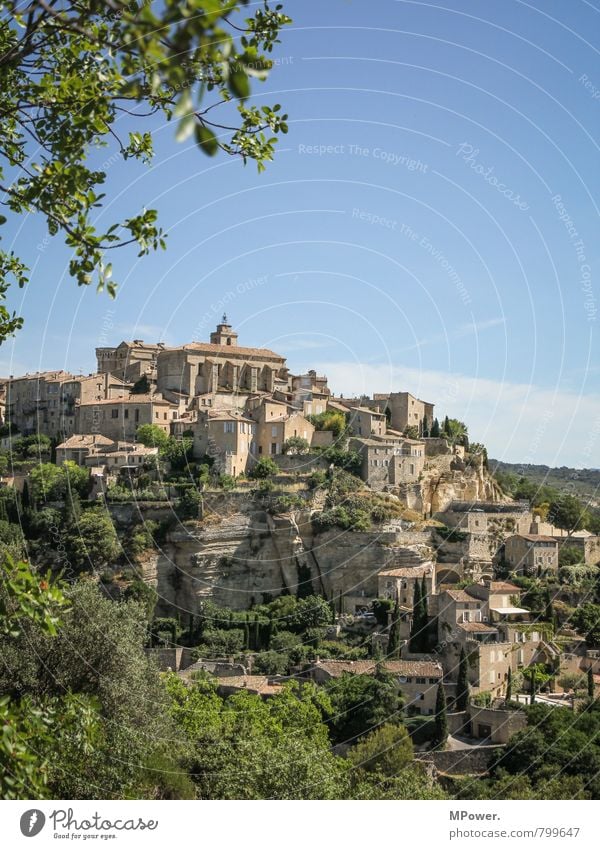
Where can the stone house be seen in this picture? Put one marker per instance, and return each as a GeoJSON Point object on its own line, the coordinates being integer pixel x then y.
{"type": "Point", "coordinates": [125, 456]}
{"type": "Point", "coordinates": [587, 544]}
{"type": "Point", "coordinates": [496, 724]}
{"type": "Point", "coordinates": [275, 424]}
{"type": "Point", "coordinates": [79, 446]}
{"type": "Point", "coordinates": [400, 583]}
{"type": "Point", "coordinates": [405, 410]}
{"type": "Point", "coordinates": [119, 419]}
{"type": "Point", "coordinates": [531, 554]}
{"type": "Point", "coordinates": [417, 680]}
{"type": "Point", "coordinates": [389, 463]}
{"type": "Point", "coordinates": [129, 360]}
{"type": "Point", "coordinates": [229, 438]}
{"type": "Point", "coordinates": [366, 422]}
{"type": "Point", "coordinates": [47, 402]}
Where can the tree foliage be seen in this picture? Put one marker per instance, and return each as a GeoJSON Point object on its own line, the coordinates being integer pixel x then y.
{"type": "Point", "coordinates": [70, 72]}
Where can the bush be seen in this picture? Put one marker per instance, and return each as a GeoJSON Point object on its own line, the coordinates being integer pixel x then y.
{"type": "Point", "coordinates": [218, 642]}
{"type": "Point", "coordinates": [271, 663]}
{"type": "Point", "coordinates": [295, 445]}
{"type": "Point", "coordinates": [316, 480]}
{"type": "Point", "coordinates": [264, 468]}
{"type": "Point", "coordinates": [226, 482]}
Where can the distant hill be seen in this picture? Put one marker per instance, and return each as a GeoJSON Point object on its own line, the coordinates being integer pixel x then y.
{"type": "Point", "coordinates": [582, 482]}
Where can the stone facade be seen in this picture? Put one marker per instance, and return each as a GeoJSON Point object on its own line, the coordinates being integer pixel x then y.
{"type": "Point", "coordinates": [531, 554]}
{"type": "Point", "coordinates": [120, 419]}
{"type": "Point", "coordinates": [417, 680]}
{"type": "Point", "coordinates": [405, 410]}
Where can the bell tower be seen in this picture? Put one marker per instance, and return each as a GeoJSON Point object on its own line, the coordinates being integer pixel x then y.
{"type": "Point", "coordinates": [224, 334]}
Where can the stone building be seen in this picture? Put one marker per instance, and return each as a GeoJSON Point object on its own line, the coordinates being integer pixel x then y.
{"type": "Point", "coordinates": [399, 584]}
{"type": "Point", "coordinates": [47, 402]}
{"type": "Point", "coordinates": [119, 419]}
{"type": "Point", "coordinates": [206, 368]}
{"type": "Point", "coordinates": [275, 424]}
{"type": "Point", "coordinates": [229, 438]}
{"type": "Point", "coordinates": [405, 410]}
{"type": "Point", "coordinates": [389, 463]}
{"type": "Point", "coordinates": [79, 446]}
{"type": "Point", "coordinates": [366, 422]}
{"type": "Point", "coordinates": [129, 360]}
{"type": "Point", "coordinates": [417, 680]}
{"type": "Point", "coordinates": [531, 554]}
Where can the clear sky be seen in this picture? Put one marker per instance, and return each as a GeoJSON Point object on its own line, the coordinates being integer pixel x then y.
{"type": "Point", "coordinates": [430, 223]}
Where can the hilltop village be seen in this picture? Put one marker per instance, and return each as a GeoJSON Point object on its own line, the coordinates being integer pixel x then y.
{"type": "Point", "coordinates": [239, 491]}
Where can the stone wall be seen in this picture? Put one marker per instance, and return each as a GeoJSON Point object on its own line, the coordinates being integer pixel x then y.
{"type": "Point", "coordinates": [303, 463]}
{"type": "Point", "coordinates": [474, 761]}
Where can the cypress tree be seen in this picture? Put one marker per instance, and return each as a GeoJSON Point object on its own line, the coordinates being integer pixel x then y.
{"type": "Point", "coordinates": [246, 634]}
{"type": "Point", "coordinates": [25, 500]}
{"type": "Point", "coordinates": [72, 509]}
{"type": "Point", "coordinates": [435, 428]}
{"type": "Point", "coordinates": [462, 686]}
{"type": "Point", "coordinates": [417, 615]}
{"type": "Point", "coordinates": [425, 426]}
{"type": "Point", "coordinates": [441, 718]}
{"type": "Point", "coordinates": [393, 647]}
{"type": "Point", "coordinates": [590, 683]}
{"type": "Point", "coordinates": [446, 428]}
{"type": "Point", "coordinates": [257, 645]}
{"type": "Point", "coordinates": [3, 513]}
{"type": "Point", "coordinates": [533, 684]}
{"type": "Point", "coordinates": [424, 604]}
{"type": "Point", "coordinates": [509, 686]}
{"type": "Point", "coordinates": [270, 632]}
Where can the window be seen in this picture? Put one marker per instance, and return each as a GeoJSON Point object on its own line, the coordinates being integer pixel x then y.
{"type": "Point", "coordinates": [114, 414]}
{"type": "Point", "coordinates": [274, 430]}
{"type": "Point", "coordinates": [228, 427]}
{"type": "Point", "coordinates": [126, 414]}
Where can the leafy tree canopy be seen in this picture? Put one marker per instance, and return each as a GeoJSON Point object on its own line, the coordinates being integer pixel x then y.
{"type": "Point", "coordinates": [70, 71]}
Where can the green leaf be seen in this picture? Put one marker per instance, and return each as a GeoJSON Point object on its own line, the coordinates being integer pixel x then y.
{"type": "Point", "coordinates": [206, 140]}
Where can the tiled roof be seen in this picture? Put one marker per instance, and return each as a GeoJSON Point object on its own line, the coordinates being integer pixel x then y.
{"type": "Point", "coordinates": [408, 571]}
{"type": "Point", "coordinates": [504, 587]}
{"type": "Point", "coordinates": [405, 668]}
{"type": "Point", "coordinates": [231, 350]}
{"type": "Point", "coordinates": [251, 683]}
{"type": "Point", "coordinates": [477, 627]}
{"type": "Point", "coordinates": [132, 399]}
{"type": "Point", "coordinates": [85, 440]}
{"type": "Point", "coordinates": [536, 537]}
{"type": "Point", "coordinates": [460, 595]}
{"type": "Point", "coordinates": [367, 410]}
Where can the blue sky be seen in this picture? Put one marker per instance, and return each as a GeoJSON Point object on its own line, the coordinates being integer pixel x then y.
{"type": "Point", "coordinates": [430, 223]}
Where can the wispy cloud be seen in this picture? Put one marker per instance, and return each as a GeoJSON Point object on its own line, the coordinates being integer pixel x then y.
{"type": "Point", "coordinates": [518, 422]}
{"type": "Point", "coordinates": [473, 328]}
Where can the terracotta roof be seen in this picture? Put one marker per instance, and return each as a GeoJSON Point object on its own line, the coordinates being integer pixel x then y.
{"type": "Point", "coordinates": [230, 350]}
{"type": "Point", "coordinates": [536, 537]}
{"type": "Point", "coordinates": [259, 684]}
{"type": "Point", "coordinates": [504, 587]}
{"type": "Point", "coordinates": [477, 627]}
{"type": "Point", "coordinates": [48, 375]}
{"type": "Point", "coordinates": [85, 440]}
{"type": "Point", "coordinates": [460, 595]}
{"type": "Point", "coordinates": [405, 668]}
{"type": "Point", "coordinates": [408, 571]}
{"type": "Point", "coordinates": [132, 399]}
{"type": "Point", "coordinates": [228, 416]}
{"type": "Point", "coordinates": [367, 410]}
